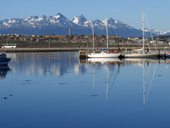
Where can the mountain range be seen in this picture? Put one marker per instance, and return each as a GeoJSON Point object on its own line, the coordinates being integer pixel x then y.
{"type": "Point", "coordinates": [60, 25]}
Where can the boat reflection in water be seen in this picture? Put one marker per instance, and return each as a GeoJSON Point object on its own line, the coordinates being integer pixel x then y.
{"type": "Point", "coordinates": [111, 66]}
{"type": "Point", "coordinates": [104, 60]}
{"type": "Point", "coordinates": [148, 68]}
{"type": "Point", "coordinates": [3, 71]}
{"type": "Point", "coordinates": [144, 60]}
{"type": "Point", "coordinates": [123, 61]}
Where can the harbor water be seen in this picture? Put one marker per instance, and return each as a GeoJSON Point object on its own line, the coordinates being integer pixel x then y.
{"type": "Point", "coordinates": [58, 90]}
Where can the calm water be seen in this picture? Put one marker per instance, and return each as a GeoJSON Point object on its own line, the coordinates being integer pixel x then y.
{"type": "Point", "coordinates": [57, 90]}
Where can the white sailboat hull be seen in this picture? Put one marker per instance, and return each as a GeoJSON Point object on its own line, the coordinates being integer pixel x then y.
{"type": "Point", "coordinates": [142, 55]}
{"type": "Point", "coordinates": [103, 55]}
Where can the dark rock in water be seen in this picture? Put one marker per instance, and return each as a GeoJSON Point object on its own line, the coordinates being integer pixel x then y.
{"type": "Point", "coordinates": [61, 83]}
{"type": "Point", "coordinates": [26, 80]}
{"type": "Point", "coordinates": [5, 97]}
{"type": "Point", "coordinates": [10, 95]}
{"type": "Point", "coordinates": [94, 95]}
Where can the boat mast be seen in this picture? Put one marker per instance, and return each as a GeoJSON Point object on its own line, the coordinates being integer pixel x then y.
{"type": "Point", "coordinates": [143, 32]}
{"type": "Point", "coordinates": [69, 31]}
{"type": "Point", "coordinates": [92, 32]}
{"type": "Point", "coordinates": [107, 35]}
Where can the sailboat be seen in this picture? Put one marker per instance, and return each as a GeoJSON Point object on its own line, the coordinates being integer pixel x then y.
{"type": "Point", "coordinates": [142, 53]}
{"type": "Point", "coordinates": [104, 53]}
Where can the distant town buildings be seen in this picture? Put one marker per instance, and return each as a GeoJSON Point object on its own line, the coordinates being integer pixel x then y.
{"type": "Point", "coordinates": [84, 40]}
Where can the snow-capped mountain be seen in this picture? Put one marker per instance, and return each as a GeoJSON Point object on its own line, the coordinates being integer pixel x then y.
{"type": "Point", "coordinates": [167, 33]}
{"type": "Point", "coordinates": [153, 32]}
{"type": "Point", "coordinates": [59, 25]}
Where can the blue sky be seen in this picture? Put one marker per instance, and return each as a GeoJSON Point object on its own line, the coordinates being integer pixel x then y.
{"type": "Point", "coordinates": [128, 11]}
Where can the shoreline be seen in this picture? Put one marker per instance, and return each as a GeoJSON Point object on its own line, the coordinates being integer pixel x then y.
{"type": "Point", "coordinates": [67, 49]}
{"type": "Point", "coordinates": [39, 49]}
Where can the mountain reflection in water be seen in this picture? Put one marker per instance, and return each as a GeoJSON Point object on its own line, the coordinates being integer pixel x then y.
{"type": "Point", "coordinates": [44, 63]}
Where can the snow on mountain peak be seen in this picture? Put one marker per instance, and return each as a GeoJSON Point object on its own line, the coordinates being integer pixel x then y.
{"type": "Point", "coordinates": [59, 15]}
{"type": "Point", "coordinates": [59, 24]}
{"type": "Point", "coordinates": [60, 20]}
{"type": "Point", "coordinates": [80, 20]}
{"type": "Point", "coordinates": [110, 22]}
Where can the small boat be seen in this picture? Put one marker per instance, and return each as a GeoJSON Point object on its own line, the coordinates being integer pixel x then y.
{"type": "Point", "coordinates": [4, 59]}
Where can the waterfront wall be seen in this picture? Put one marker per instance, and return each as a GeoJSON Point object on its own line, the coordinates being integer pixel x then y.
{"type": "Point", "coordinates": [70, 49]}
